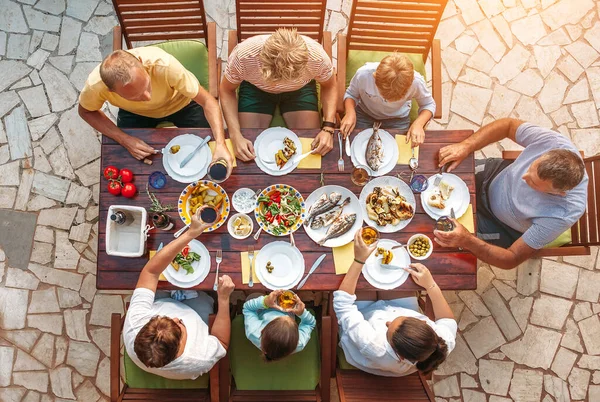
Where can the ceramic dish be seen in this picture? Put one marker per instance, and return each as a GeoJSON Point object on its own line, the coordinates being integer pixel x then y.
{"type": "Point", "coordinates": [266, 146]}
{"type": "Point", "coordinates": [404, 191]}
{"type": "Point", "coordinates": [183, 204]}
{"type": "Point", "coordinates": [194, 169]}
{"type": "Point", "coordinates": [288, 264]}
{"type": "Point", "coordinates": [459, 199]}
{"type": "Point", "coordinates": [231, 230]}
{"type": "Point", "coordinates": [383, 278]}
{"type": "Point", "coordinates": [201, 268]}
{"type": "Point", "coordinates": [269, 191]}
{"type": "Point", "coordinates": [390, 151]}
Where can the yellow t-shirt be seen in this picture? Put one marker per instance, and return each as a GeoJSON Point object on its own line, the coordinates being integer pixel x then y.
{"type": "Point", "coordinates": [172, 86]}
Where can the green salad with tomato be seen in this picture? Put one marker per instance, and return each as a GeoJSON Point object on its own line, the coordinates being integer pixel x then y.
{"type": "Point", "coordinates": [279, 210]}
{"type": "Point", "coordinates": [185, 259]}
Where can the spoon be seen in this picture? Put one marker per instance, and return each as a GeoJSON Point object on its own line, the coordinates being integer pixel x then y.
{"type": "Point", "coordinates": [413, 162]}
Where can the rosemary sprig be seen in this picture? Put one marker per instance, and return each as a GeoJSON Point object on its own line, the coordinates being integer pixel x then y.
{"type": "Point", "coordinates": [156, 205]}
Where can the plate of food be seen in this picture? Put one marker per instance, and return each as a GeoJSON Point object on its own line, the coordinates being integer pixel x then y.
{"type": "Point", "coordinates": [190, 266]}
{"type": "Point", "coordinates": [452, 192]}
{"type": "Point", "coordinates": [280, 210]}
{"type": "Point", "coordinates": [388, 203]}
{"type": "Point", "coordinates": [275, 147]}
{"type": "Point", "coordinates": [383, 268]}
{"type": "Point", "coordinates": [279, 265]}
{"type": "Point", "coordinates": [378, 151]}
{"type": "Point", "coordinates": [333, 212]}
{"type": "Point", "coordinates": [200, 193]}
{"type": "Point", "coordinates": [176, 151]}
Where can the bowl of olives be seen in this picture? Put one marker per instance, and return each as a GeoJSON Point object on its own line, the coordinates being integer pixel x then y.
{"type": "Point", "coordinates": [420, 247]}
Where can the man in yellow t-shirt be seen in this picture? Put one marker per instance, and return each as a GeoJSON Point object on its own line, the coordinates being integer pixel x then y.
{"type": "Point", "coordinates": [149, 86]}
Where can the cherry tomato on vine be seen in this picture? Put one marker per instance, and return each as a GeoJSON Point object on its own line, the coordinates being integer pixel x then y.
{"type": "Point", "coordinates": [111, 173]}
{"type": "Point", "coordinates": [126, 175]}
{"type": "Point", "coordinates": [114, 187]}
{"type": "Point", "coordinates": [128, 190]}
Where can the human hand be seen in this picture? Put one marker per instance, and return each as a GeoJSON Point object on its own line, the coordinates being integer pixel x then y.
{"type": "Point", "coordinates": [421, 275]}
{"type": "Point", "coordinates": [271, 299]}
{"type": "Point", "coordinates": [454, 153]}
{"type": "Point", "coordinates": [222, 152]}
{"type": "Point", "coordinates": [298, 308]}
{"type": "Point", "coordinates": [416, 134]}
{"type": "Point", "coordinates": [348, 123]}
{"type": "Point", "coordinates": [322, 143]}
{"type": "Point", "coordinates": [362, 251]}
{"type": "Point", "coordinates": [456, 238]}
{"type": "Point", "coordinates": [197, 226]}
{"type": "Point", "coordinates": [137, 148]}
{"type": "Point", "coordinates": [243, 148]}
{"type": "Point", "coordinates": [225, 288]}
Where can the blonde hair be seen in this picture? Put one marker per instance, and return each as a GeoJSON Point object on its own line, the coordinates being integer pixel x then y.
{"type": "Point", "coordinates": [284, 56]}
{"type": "Point", "coordinates": [394, 76]}
{"type": "Point", "coordinates": [116, 68]}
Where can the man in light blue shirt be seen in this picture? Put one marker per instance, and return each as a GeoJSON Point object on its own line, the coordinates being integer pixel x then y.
{"type": "Point", "coordinates": [524, 205]}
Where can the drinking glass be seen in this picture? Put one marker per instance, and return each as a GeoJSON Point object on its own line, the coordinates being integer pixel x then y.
{"type": "Point", "coordinates": [360, 175]}
{"type": "Point", "coordinates": [369, 235]}
{"type": "Point", "coordinates": [217, 171]}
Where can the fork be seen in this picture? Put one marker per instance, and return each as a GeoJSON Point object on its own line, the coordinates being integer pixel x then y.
{"type": "Point", "coordinates": [438, 176]}
{"type": "Point", "coordinates": [218, 260]}
{"type": "Point", "coordinates": [341, 160]}
{"type": "Point", "coordinates": [250, 258]}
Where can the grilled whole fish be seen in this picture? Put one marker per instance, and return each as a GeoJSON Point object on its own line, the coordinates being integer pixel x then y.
{"type": "Point", "coordinates": [374, 153]}
{"type": "Point", "coordinates": [340, 226]}
{"type": "Point", "coordinates": [326, 219]}
{"type": "Point", "coordinates": [322, 205]}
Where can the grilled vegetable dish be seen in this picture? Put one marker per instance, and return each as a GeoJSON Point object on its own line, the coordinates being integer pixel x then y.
{"type": "Point", "coordinates": [203, 195]}
{"type": "Point", "coordinates": [386, 206]}
{"type": "Point", "coordinates": [279, 210]}
{"type": "Point", "coordinates": [185, 259]}
{"type": "Point", "coordinates": [283, 155]}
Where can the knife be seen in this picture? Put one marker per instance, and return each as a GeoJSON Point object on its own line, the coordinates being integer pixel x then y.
{"type": "Point", "coordinates": [191, 155]}
{"type": "Point", "coordinates": [160, 246]}
{"type": "Point", "coordinates": [348, 151]}
{"type": "Point", "coordinates": [312, 269]}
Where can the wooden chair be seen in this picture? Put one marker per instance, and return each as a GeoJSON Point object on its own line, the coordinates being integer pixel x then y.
{"type": "Point", "coordinates": [378, 28]}
{"type": "Point", "coordinates": [176, 393]}
{"type": "Point", "coordinates": [172, 20]}
{"type": "Point", "coordinates": [355, 385]}
{"type": "Point", "coordinates": [586, 232]}
{"type": "Point", "coordinates": [230, 391]}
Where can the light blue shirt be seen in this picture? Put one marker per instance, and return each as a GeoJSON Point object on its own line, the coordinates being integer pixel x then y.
{"type": "Point", "coordinates": [366, 95]}
{"type": "Point", "coordinates": [256, 317]}
{"type": "Point", "coordinates": [539, 216]}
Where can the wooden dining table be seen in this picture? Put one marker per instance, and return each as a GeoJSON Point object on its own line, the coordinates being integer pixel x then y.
{"type": "Point", "coordinates": [453, 269]}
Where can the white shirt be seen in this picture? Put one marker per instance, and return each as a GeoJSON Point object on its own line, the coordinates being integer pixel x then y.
{"type": "Point", "coordinates": [363, 334]}
{"type": "Point", "coordinates": [364, 91]}
{"type": "Point", "coordinates": [202, 351]}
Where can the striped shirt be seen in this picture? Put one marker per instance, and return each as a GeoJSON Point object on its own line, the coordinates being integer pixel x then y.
{"type": "Point", "coordinates": [244, 65]}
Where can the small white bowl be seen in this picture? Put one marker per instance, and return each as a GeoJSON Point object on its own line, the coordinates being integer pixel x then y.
{"type": "Point", "coordinates": [244, 192]}
{"type": "Point", "coordinates": [412, 240]}
{"type": "Point", "coordinates": [231, 229]}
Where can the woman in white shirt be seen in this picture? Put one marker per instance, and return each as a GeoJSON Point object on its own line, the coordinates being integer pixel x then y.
{"type": "Point", "coordinates": [389, 337]}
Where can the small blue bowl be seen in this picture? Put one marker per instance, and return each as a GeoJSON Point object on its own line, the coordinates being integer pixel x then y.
{"type": "Point", "coordinates": [419, 183]}
{"type": "Point", "coordinates": [157, 180]}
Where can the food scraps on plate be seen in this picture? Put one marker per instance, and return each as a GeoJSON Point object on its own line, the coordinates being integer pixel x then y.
{"type": "Point", "coordinates": [439, 197]}
{"type": "Point", "coordinates": [284, 155]}
{"type": "Point", "coordinates": [386, 255]}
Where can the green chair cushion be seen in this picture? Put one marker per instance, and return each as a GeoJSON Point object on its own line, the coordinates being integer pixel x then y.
{"type": "Point", "coordinates": [192, 54]}
{"type": "Point", "coordinates": [342, 362]}
{"type": "Point", "coordinates": [564, 238]}
{"type": "Point", "coordinates": [358, 58]}
{"type": "Point", "coordinates": [135, 377]}
{"type": "Point", "coordinates": [297, 372]}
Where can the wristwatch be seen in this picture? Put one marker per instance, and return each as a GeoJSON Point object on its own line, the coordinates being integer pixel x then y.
{"type": "Point", "coordinates": [328, 124]}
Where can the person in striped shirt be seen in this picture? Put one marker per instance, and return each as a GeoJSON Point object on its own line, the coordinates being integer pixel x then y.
{"type": "Point", "coordinates": [279, 69]}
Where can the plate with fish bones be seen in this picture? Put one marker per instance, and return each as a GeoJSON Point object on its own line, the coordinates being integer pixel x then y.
{"type": "Point", "coordinates": [333, 212]}
{"type": "Point", "coordinates": [389, 147]}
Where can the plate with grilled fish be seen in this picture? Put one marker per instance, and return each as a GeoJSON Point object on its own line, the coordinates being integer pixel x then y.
{"type": "Point", "coordinates": [275, 148]}
{"type": "Point", "coordinates": [452, 192]}
{"type": "Point", "coordinates": [333, 216]}
{"type": "Point", "coordinates": [388, 204]}
{"type": "Point", "coordinates": [377, 150]}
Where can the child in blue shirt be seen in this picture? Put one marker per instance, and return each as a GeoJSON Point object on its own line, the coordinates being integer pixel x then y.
{"type": "Point", "coordinates": [274, 330]}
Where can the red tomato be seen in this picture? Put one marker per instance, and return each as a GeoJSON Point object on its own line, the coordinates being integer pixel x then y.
{"type": "Point", "coordinates": [126, 175]}
{"type": "Point", "coordinates": [128, 190]}
{"type": "Point", "coordinates": [114, 187]}
{"type": "Point", "coordinates": [111, 173]}
{"type": "Point", "coordinates": [185, 251]}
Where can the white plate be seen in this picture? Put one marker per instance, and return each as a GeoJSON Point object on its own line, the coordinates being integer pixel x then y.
{"type": "Point", "coordinates": [383, 278]}
{"type": "Point", "coordinates": [266, 146]}
{"type": "Point", "coordinates": [201, 268]}
{"type": "Point", "coordinates": [459, 199]}
{"type": "Point", "coordinates": [404, 191]}
{"type": "Point", "coordinates": [288, 262]}
{"type": "Point", "coordinates": [352, 208]}
{"type": "Point", "coordinates": [196, 168]}
{"type": "Point", "coordinates": [390, 151]}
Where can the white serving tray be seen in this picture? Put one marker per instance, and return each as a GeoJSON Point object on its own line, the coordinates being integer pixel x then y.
{"type": "Point", "coordinates": [129, 239]}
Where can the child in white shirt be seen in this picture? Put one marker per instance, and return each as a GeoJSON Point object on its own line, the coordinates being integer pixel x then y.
{"type": "Point", "coordinates": [383, 92]}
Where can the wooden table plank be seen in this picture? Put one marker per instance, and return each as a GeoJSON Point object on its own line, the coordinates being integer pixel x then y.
{"type": "Point", "coordinates": [453, 269]}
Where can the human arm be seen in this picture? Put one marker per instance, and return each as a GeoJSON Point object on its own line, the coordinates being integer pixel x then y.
{"type": "Point", "coordinates": [323, 142]}
{"type": "Point", "coordinates": [361, 253]}
{"type": "Point", "coordinates": [305, 329]}
{"type": "Point", "coordinates": [244, 149]}
{"type": "Point", "coordinates": [416, 132]}
{"type": "Point", "coordinates": [100, 122]}
{"type": "Point", "coordinates": [499, 257]}
{"type": "Point", "coordinates": [349, 120]}
{"type": "Point", "coordinates": [488, 134]}
{"type": "Point", "coordinates": [252, 322]}
{"type": "Point", "coordinates": [221, 328]}
{"type": "Point", "coordinates": [422, 277]}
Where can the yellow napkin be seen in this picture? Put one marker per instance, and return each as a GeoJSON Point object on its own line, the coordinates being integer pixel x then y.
{"type": "Point", "coordinates": [404, 150]}
{"type": "Point", "coordinates": [213, 144]}
{"type": "Point", "coordinates": [246, 268]}
{"type": "Point", "coordinates": [342, 258]}
{"type": "Point", "coordinates": [151, 254]}
{"type": "Point", "coordinates": [467, 219]}
{"type": "Point", "coordinates": [310, 162]}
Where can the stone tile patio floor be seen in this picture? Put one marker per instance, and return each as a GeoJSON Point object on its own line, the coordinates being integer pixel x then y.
{"type": "Point", "coordinates": [528, 334]}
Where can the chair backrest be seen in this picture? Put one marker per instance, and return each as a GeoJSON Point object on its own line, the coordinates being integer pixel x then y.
{"type": "Point", "coordinates": [258, 17]}
{"type": "Point", "coordinates": [406, 26]}
{"type": "Point", "coordinates": [151, 20]}
{"type": "Point", "coordinates": [587, 230]}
